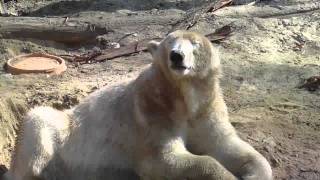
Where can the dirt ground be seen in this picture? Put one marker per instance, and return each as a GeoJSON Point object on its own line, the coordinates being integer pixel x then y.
{"type": "Point", "coordinates": [267, 57]}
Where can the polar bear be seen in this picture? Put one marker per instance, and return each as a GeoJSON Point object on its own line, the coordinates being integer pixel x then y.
{"type": "Point", "coordinates": [171, 123]}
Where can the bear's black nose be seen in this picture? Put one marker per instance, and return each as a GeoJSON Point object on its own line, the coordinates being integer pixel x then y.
{"type": "Point", "coordinates": [177, 58]}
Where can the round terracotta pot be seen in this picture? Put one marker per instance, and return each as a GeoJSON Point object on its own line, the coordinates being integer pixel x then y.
{"type": "Point", "coordinates": [36, 63]}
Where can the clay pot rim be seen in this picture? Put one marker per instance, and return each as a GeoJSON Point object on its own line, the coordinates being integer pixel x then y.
{"type": "Point", "coordinates": [56, 70]}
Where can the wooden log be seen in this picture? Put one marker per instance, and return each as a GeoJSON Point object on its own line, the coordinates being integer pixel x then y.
{"type": "Point", "coordinates": [55, 29]}
{"type": "Point", "coordinates": [71, 30]}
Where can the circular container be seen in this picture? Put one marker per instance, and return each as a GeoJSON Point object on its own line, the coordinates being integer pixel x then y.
{"type": "Point", "coordinates": [36, 63]}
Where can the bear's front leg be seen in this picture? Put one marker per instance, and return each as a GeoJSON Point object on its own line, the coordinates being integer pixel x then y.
{"type": "Point", "coordinates": [175, 162]}
{"type": "Point", "coordinates": [217, 138]}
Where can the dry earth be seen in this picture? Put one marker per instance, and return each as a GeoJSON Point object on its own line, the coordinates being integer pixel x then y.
{"type": "Point", "coordinates": [269, 54]}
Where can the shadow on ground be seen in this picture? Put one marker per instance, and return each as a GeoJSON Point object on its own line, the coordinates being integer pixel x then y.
{"type": "Point", "coordinates": [73, 7]}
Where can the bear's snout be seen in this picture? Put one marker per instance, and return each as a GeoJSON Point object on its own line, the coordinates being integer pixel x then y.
{"type": "Point", "coordinates": [177, 58]}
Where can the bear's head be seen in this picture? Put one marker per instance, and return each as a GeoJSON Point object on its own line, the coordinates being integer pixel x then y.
{"type": "Point", "coordinates": [185, 54]}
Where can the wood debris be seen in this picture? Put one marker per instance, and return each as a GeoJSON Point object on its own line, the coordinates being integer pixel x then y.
{"type": "Point", "coordinates": [135, 47]}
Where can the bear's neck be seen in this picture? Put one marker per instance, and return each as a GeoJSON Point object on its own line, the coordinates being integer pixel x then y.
{"type": "Point", "coordinates": [199, 94]}
{"type": "Point", "coordinates": [194, 93]}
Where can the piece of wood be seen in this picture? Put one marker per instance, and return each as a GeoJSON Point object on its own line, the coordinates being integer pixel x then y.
{"type": "Point", "coordinates": [131, 48]}
{"type": "Point", "coordinates": [71, 30]}
{"type": "Point", "coordinates": [55, 29]}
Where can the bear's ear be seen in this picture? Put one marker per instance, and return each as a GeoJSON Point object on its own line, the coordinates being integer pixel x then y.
{"type": "Point", "coordinates": [153, 46]}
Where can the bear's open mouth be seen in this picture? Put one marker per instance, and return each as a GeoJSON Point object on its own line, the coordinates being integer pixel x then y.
{"type": "Point", "coordinates": [179, 67]}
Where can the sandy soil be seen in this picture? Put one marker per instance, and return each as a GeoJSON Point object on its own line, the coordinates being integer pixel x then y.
{"type": "Point", "coordinates": [264, 61]}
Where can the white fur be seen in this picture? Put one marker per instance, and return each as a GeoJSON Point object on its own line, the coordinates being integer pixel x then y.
{"type": "Point", "coordinates": [158, 127]}
{"type": "Point", "coordinates": [185, 46]}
